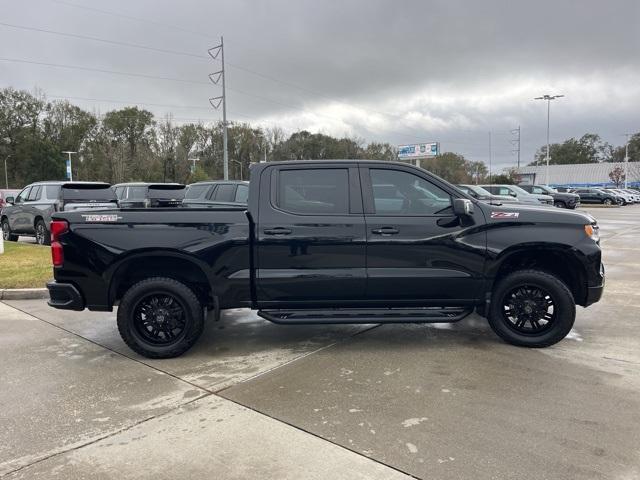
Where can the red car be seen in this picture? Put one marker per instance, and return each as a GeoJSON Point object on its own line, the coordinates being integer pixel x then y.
{"type": "Point", "coordinates": [4, 194]}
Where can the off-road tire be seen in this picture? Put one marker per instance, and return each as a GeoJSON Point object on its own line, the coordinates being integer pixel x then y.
{"type": "Point", "coordinates": [564, 308]}
{"type": "Point", "coordinates": [193, 317]}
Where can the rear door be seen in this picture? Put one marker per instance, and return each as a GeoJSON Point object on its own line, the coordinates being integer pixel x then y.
{"type": "Point", "coordinates": [418, 251]}
{"type": "Point", "coordinates": [310, 236]}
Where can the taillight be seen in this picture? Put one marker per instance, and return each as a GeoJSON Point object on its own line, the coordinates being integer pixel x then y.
{"type": "Point", "coordinates": [58, 227]}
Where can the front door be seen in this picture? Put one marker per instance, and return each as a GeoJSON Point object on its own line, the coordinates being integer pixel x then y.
{"type": "Point", "coordinates": [310, 236]}
{"type": "Point", "coordinates": [418, 251]}
{"type": "Point", "coordinates": [18, 219]}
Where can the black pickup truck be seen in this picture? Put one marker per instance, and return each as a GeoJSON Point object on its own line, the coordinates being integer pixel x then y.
{"type": "Point", "coordinates": [330, 242]}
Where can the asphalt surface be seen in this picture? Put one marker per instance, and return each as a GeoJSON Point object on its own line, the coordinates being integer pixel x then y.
{"type": "Point", "coordinates": [256, 400]}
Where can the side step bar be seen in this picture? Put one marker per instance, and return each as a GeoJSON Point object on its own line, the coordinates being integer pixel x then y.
{"type": "Point", "coordinates": [356, 315]}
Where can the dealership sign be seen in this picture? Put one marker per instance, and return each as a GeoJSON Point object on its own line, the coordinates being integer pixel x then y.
{"type": "Point", "coordinates": [418, 150]}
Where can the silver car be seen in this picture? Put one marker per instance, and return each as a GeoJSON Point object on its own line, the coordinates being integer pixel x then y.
{"type": "Point", "coordinates": [30, 211]}
{"type": "Point", "coordinates": [522, 195]}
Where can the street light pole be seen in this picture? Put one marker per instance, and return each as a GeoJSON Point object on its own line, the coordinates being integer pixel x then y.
{"type": "Point", "coordinates": [548, 98]}
{"type": "Point", "coordinates": [69, 170]}
{"type": "Point", "coordinates": [626, 160]}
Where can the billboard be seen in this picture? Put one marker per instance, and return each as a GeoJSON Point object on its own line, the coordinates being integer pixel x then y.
{"type": "Point", "coordinates": [418, 150]}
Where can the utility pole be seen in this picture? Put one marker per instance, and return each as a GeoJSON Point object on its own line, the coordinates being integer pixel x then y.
{"type": "Point", "coordinates": [69, 171]}
{"type": "Point", "coordinates": [222, 99]}
{"type": "Point", "coordinates": [548, 98]}
{"type": "Point", "coordinates": [516, 142]}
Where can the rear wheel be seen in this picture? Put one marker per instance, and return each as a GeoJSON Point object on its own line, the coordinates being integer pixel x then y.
{"type": "Point", "coordinates": [160, 318]}
{"type": "Point", "coordinates": [6, 232]}
{"type": "Point", "coordinates": [43, 236]}
{"type": "Point", "coordinates": [606, 201]}
{"type": "Point", "coordinates": [531, 308]}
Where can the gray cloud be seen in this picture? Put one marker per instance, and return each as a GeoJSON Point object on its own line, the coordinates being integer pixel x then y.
{"type": "Point", "coordinates": [397, 71]}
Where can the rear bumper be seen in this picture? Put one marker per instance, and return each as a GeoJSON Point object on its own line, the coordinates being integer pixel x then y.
{"type": "Point", "coordinates": [65, 296]}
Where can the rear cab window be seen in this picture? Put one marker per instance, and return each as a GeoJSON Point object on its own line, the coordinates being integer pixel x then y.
{"type": "Point", "coordinates": [225, 193]}
{"type": "Point", "coordinates": [167, 192]}
{"type": "Point", "coordinates": [242, 194]}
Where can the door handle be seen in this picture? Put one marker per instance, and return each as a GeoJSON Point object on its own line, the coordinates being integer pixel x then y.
{"type": "Point", "coordinates": [385, 231]}
{"type": "Point", "coordinates": [277, 231]}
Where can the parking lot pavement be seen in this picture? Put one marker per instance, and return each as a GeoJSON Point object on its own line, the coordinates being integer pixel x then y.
{"type": "Point", "coordinates": [255, 400]}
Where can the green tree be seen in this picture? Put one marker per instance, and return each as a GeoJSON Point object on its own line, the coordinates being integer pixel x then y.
{"type": "Point", "coordinates": [589, 148]}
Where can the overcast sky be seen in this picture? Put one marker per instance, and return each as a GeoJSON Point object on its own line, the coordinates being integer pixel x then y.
{"type": "Point", "coordinates": [397, 71]}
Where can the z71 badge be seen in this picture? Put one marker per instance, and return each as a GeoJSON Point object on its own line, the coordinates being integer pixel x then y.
{"type": "Point", "coordinates": [505, 214]}
{"type": "Point", "coordinates": [101, 218]}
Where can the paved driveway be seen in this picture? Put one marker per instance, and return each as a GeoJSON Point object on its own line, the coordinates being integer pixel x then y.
{"type": "Point", "coordinates": [255, 400]}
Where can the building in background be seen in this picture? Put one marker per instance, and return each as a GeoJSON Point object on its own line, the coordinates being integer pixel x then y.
{"type": "Point", "coordinates": [579, 175]}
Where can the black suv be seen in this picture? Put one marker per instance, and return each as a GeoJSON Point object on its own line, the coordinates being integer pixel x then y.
{"type": "Point", "coordinates": [149, 195]}
{"type": "Point", "coordinates": [560, 199]}
{"type": "Point", "coordinates": [216, 193]}
{"type": "Point", "coordinates": [596, 195]}
{"type": "Point", "coordinates": [30, 212]}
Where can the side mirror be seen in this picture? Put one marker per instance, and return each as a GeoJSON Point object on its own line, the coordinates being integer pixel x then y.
{"type": "Point", "coordinates": [462, 207]}
{"type": "Point", "coordinates": [10, 200]}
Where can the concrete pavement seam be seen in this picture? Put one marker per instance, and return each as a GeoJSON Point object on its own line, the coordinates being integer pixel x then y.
{"type": "Point", "coordinates": [108, 435]}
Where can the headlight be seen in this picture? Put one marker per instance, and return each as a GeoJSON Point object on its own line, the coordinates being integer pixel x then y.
{"type": "Point", "coordinates": [593, 231]}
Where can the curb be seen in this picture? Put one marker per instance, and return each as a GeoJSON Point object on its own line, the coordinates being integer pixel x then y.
{"type": "Point", "coordinates": [23, 293]}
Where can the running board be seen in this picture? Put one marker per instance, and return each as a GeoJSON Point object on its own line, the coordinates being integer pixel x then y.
{"type": "Point", "coordinates": [356, 315]}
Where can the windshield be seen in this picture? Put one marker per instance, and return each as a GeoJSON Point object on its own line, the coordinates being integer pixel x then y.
{"type": "Point", "coordinates": [519, 190]}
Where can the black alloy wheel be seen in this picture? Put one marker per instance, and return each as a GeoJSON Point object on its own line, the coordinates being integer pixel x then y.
{"type": "Point", "coordinates": [159, 318]}
{"type": "Point", "coordinates": [528, 309]}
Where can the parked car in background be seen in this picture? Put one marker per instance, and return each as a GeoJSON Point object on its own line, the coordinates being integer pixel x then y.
{"type": "Point", "coordinates": [628, 198]}
{"type": "Point", "coordinates": [483, 195]}
{"type": "Point", "coordinates": [7, 194]}
{"type": "Point", "coordinates": [516, 192]}
{"type": "Point", "coordinates": [149, 195]}
{"type": "Point", "coordinates": [560, 199]}
{"type": "Point", "coordinates": [621, 199]}
{"type": "Point", "coordinates": [635, 195]}
{"type": "Point", "coordinates": [564, 189]}
{"type": "Point", "coordinates": [30, 212]}
{"type": "Point", "coordinates": [216, 193]}
{"type": "Point", "coordinates": [596, 195]}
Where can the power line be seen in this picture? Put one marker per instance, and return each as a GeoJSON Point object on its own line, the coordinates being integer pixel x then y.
{"type": "Point", "coordinates": [102, 40]}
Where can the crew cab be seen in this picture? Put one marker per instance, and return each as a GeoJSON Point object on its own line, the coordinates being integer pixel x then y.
{"type": "Point", "coordinates": [330, 242]}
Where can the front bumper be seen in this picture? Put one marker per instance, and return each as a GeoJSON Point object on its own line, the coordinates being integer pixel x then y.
{"type": "Point", "coordinates": [594, 293]}
{"type": "Point", "coordinates": [65, 296]}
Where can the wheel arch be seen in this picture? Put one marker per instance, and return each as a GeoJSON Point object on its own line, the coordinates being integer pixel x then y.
{"type": "Point", "coordinates": [555, 260]}
{"type": "Point", "coordinates": [178, 266]}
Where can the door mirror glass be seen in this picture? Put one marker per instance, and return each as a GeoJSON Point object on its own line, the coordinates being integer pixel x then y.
{"type": "Point", "coordinates": [10, 200]}
{"type": "Point", "coordinates": [462, 207]}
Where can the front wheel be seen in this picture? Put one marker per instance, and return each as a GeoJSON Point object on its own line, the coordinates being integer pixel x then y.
{"type": "Point", "coordinates": [531, 308]}
{"type": "Point", "coordinates": [160, 318]}
{"type": "Point", "coordinates": [560, 204]}
{"type": "Point", "coordinates": [606, 201]}
{"type": "Point", "coordinates": [6, 232]}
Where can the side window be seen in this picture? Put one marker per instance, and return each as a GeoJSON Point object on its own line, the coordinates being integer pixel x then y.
{"type": "Point", "coordinates": [23, 195]}
{"type": "Point", "coordinates": [119, 191]}
{"type": "Point", "coordinates": [52, 192]}
{"type": "Point", "coordinates": [225, 193]}
{"type": "Point", "coordinates": [35, 193]}
{"type": "Point", "coordinates": [195, 191]}
{"type": "Point", "coordinates": [242, 194]}
{"type": "Point", "coordinates": [538, 190]}
{"type": "Point", "coordinates": [505, 191]}
{"type": "Point", "coordinates": [402, 193]}
{"type": "Point", "coordinates": [314, 191]}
